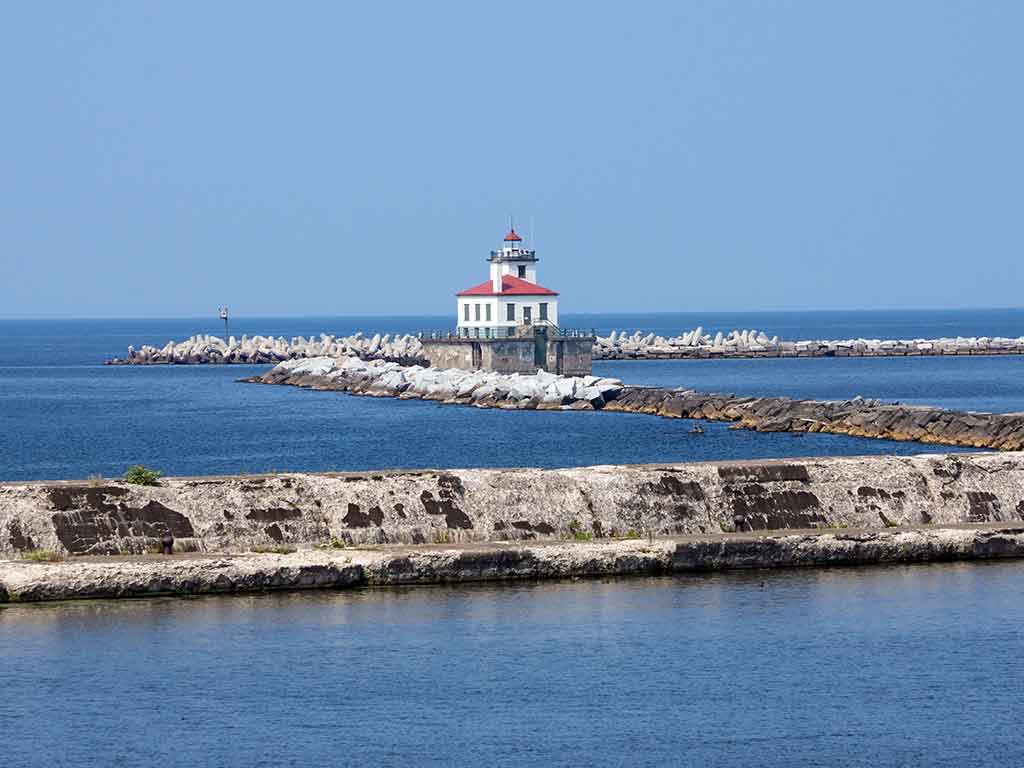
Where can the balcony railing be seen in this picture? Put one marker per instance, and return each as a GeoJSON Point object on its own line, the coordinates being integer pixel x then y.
{"type": "Point", "coordinates": [515, 254]}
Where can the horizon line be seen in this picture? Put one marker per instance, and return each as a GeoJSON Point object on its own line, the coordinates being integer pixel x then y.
{"type": "Point", "coordinates": [620, 313]}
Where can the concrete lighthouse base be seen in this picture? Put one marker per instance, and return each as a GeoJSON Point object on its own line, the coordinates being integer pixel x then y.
{"type": "Point", "coordinates": [568, 356]}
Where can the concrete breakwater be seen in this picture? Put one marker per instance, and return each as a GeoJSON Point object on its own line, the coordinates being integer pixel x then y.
{"type": "Point", "coordinates": [238, 514]}
{"type": "Point", "coordinates": [857, 417]}
{"type": "Point", "coordinates": [206, 349]}
{"type": "Point", "coordinates": [22, 581]}
{"type": "Point", "coordinates": [697, 344]}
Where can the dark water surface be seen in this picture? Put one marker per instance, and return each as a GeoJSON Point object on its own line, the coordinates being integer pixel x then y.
{"type": "Point", "coordinates": [911, 666]}
{"type": "Point", "coordinates": [64, 415]}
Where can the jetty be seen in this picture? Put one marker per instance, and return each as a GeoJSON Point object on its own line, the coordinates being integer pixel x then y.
{"type": "Point", "coordinates": [857, 417]}
{"type": "Point", "coordinates": [332, 530]}
{"type": "Point", "coordinates": [205, 349]}
{"type": "Point", "coordinates": [737, 344]}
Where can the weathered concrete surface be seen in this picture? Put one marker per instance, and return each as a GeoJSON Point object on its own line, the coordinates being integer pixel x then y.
{"type": "Point", "coordinates": [857, 417]}
{"type": "Point", "coordinates": [239, 513]}
{"type": "Point", "coordinates": [141, 577]}
{"type": "Point", "coordinates": [562, 355]}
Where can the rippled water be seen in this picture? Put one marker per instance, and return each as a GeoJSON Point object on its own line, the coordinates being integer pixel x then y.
{"type": "Point", "coordinates": [64, 415]}
{"type": "Point", "coordinates": [915, 665]}
{"type": "Point", "coordinates": [885, 666]}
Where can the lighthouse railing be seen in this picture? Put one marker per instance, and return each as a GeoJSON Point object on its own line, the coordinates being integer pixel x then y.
{"type": "Point", "coordinates": [464, 333]}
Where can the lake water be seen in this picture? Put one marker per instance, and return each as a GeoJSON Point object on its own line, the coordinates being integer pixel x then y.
{"type": "Point", "coordinates": [911, 666]}
{"type": "Point", "coordinates": [884, 666]}
{"type": "Point", "coordinates": [65, 415]}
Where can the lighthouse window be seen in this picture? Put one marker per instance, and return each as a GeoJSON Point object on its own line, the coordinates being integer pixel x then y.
{"type": "Point", "coordinates": [522, 270]}
{"type": "Point", "coordinates": [487, 312]}
{"type": "Point", "coordinates": [543, 310]}
{"type": "Point", "coordinates": [465, 312]}
{"type": "Point", "coordinates": [476, 313]}
{"type": "Point", "coordinates": [510, 312]}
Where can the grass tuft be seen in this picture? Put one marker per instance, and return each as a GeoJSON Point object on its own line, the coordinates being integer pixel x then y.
{"type": "Point", "coordinates": [42, 555]}
{"type": "Point", "coordinates": [140, 475]}
{"type": "Point", "coordinates": [577, 533]}
{"type": "Point", "coordinates": [443, 537]}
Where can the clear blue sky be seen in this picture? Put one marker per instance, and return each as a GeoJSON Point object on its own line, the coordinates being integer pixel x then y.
{"type": "Point", "coordinates": [160, 159]}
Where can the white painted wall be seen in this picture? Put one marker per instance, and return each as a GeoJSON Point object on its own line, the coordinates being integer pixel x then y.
{"type": "Point", "coordinates": [498, 310]}
{"type": "Point", "coordinates": [472, 302]}
{"type": "Point", "coordinates": [532, 301]}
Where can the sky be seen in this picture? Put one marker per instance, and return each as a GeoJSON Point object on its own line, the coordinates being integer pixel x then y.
{"type": "Point", "coordinates": [325, 158]}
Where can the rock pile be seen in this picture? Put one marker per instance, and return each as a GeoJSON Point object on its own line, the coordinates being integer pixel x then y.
{"type": "Point", "coordinates": [407, 349]}
{"type": "Point", "coordinates": [206, 349]}
{"type": "Point", "coordinates": [754, 343]}
{"type": "Point", "coordinates": [485, 389]}
{"type": "Point", "coordinates": [857, 417]}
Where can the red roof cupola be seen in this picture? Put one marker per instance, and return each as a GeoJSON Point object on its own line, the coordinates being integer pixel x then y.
{"type": "Point", "coordinates": [512, 237]}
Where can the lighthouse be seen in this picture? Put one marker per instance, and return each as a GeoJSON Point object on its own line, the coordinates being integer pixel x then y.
{"type": "Point", "coordinates": [511, 302]}
{"type": "Point", "coordinates": [509, 323]}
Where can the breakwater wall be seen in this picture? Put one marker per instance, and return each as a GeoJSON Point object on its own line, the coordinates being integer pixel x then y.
{"type": "Point", "coordinates": [696, 344]}
{"type": "Point", "coordinates": [205, 349]}
{"type": "Point", "coordinates": [399, 566]}
{"type": "Point", "coordinates": [239, 514]}
{"type": "Point", "coordinates": [486, 389]}
{"type": "Point", "coordinates": [856, 417]}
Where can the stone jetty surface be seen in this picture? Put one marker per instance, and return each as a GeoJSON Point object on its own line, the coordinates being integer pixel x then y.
{"type": "Point", "coordinates": [695, 344]}
{"type": "Point", "coordinates": [856, 417]}
{"type": "Point", "coordinates": [395, 527]}
{"type": "Point", "coordinates": [115, 577]}
{"type": "Point", "coordinates": [238, 514]}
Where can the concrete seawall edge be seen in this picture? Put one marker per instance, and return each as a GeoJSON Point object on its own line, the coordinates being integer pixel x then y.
{"type": "Point", "coordinates": [151, 576]}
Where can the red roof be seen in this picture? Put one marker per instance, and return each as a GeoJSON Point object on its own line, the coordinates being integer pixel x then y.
{"type": "Point", "coordinates": [512, 237]}
{"type": "Point", "coordinates": [510, 286]}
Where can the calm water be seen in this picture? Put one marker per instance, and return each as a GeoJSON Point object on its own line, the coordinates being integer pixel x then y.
{"type": "Point", "coordinates": [885, 666]}
{"type": "Point", "coordinates": [908, 666]}
{"type": "Point", "coordinates": [64, 415]}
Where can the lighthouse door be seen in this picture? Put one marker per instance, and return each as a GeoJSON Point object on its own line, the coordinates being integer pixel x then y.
{"type": "Point", "coordinates": [540, 347]}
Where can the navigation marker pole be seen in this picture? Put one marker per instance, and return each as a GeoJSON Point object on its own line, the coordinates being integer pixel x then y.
{"type": "Point", "coordinates": [223, 312]}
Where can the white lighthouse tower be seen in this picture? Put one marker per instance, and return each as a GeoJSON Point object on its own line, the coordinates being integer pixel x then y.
{"type": "Point", "coordinates": [511, 299]}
